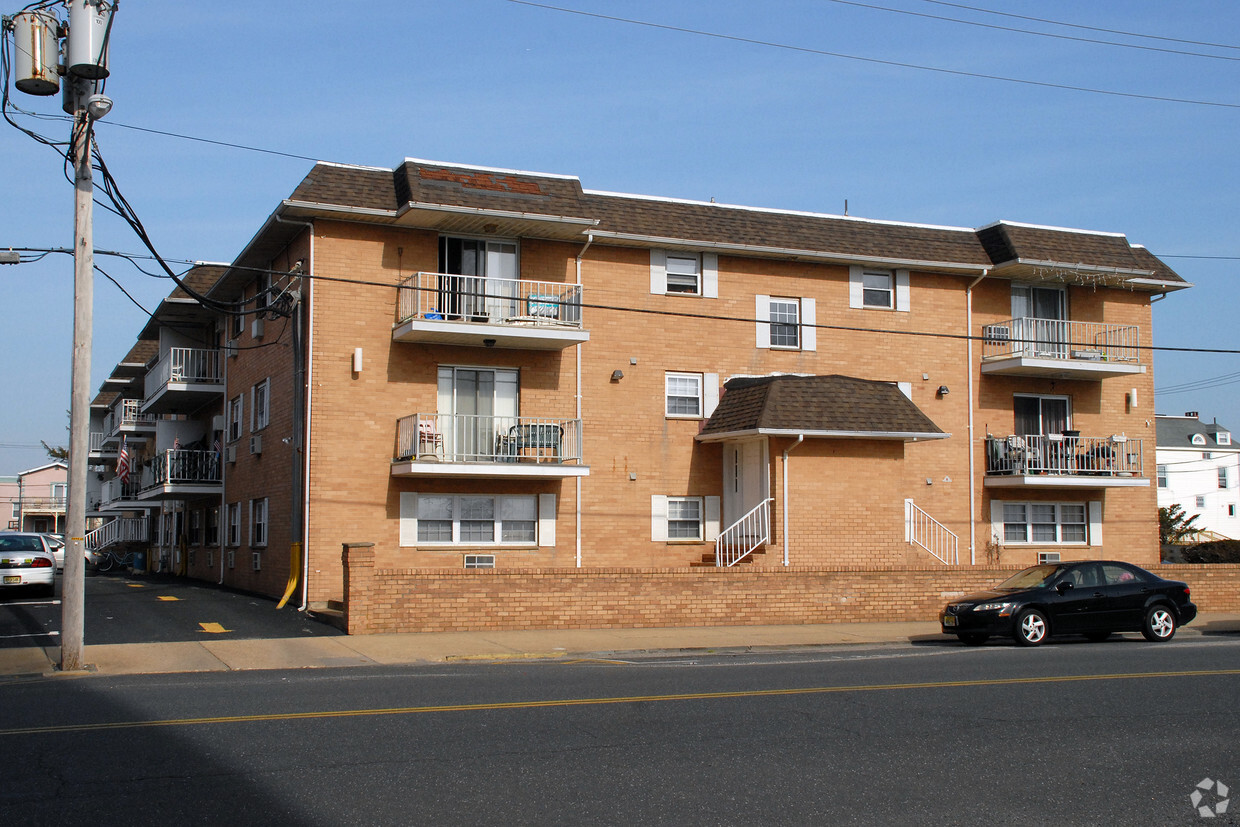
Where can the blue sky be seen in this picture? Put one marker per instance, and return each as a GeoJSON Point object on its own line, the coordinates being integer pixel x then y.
{"type": "Point", "coordinates": [640, 109]}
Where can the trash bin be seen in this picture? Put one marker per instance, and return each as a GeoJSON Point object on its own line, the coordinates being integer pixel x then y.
{"type": "Point", "coordinates": [139, 561]}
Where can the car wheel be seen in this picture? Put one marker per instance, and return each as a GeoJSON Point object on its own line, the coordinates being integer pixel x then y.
{"type": "Point", "coordinates": [974, 638]}
{"type": "Point", "coordinates": [1031, 628]}
{"type": "Point", "coordinates": [1159, 624]}
{"type": "Point", "coordinates": [1097, 637]}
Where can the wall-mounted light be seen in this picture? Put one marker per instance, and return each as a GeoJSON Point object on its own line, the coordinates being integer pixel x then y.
{"type": "Point", "coordinates": [943, 390]}
{"type": "Point", "coordinates": [617, 375]}
{"type": "Point", "coordinates": [357, 360]}
{"type": "Point", "coordinates": [488, 343]}
{"type": "Point", "coordinates": [1132, 399]}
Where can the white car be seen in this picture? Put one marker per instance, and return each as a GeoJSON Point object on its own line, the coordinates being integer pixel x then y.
{"type": "Point", "coordinates": [27, 561]}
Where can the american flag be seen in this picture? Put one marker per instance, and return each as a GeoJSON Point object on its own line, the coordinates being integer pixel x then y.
{"type": "Point", "coordinates": [219, 449]}
{"type": "Point", "coordinates": [122, 463]}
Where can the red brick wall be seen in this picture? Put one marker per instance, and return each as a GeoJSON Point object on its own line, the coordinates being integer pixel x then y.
{"type": "Point", "coordinates": [435, 600]}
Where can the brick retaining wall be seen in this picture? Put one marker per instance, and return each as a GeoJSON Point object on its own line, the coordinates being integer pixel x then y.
{"type": "Point", "coordinates": [442, 600]}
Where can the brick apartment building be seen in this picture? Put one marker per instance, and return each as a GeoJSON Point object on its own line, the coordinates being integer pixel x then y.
{"type": "Point", "coordinates": [487, 369]}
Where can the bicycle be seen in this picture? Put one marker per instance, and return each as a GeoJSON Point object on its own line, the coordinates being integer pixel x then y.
{"type": "Point", "coordinates": [109, 560]}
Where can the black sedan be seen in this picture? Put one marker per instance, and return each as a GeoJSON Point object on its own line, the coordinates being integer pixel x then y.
{"type": "Point", "coordinates": [1091, 598]}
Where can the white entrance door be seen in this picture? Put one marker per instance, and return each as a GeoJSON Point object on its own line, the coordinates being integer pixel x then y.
{"type": "Point", "coordinates": [745, 479]}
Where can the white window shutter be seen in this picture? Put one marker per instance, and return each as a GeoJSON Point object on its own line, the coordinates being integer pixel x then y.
{"type": "Point", "coordinates": [762, 312]}
{"type": "Point", "coordinates": [658, 272]}
{"type": "Point", "coordinates": [546, 520]}
{"type": "Point", "coordinates": [902, 291]}
{"type": "Point", "coordinates": [996, 521]}
{"type": "Point", "coordinates": [856, 295]}
{"type": "Point", "coordinates": [1095, 522]}
{"type": "Point", "coordinates": [710, 393]}
{"type": "Point", "coordinates": [658, 518]}
{"type": "Point", "coordinates": [408, 518]}
{"type": "Point", "coordinates": [809, 318]}
{"type": "Point", "coordinates": [710, 529]}
{"type": "Point", "coordinates": [710, 275]}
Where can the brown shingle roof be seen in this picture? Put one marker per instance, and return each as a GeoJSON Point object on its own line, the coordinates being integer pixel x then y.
{"type": "Point", "coordinates": [818, 406]}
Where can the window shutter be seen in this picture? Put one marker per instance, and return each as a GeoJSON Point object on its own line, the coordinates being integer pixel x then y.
{"type": "Point", "coordinates": [710, 393]}
{"type": "Point", "coordinates": [658, 272]}
{"type": "Point", "coordinates": [856, 297]}
{"type": "Point", "coordinates": [658, 518]}
{"type": "Point", "coordinates": [902, 290]}
{"type": "Point", "coordinates": [710, 529]}
{"type": "Point", "coordinates": [809, 333]}
{"type": "Point", "coordinates": [408, 518]}
{"type": "Point", "coordinates": [546, 520]}
{"type": "Point", "coordinates": [996, 521]}
{"type": "Point", "coordinates": [710, 275]}
{"type": "Point", "coordinates": [762, 312]}
{"type": "Point", "coordinates": [1095, 522]}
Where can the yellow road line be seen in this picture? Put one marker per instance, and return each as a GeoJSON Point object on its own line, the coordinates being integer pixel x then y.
{"type": "Point", "coordinates": [566, 702]}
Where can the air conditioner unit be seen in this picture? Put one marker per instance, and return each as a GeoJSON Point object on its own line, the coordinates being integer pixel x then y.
{"type": "Point", "coordinates": [232, 559]}
{"type": "Point", "coordinates": [217, 422]}
{"type": "Point", "coordinates": [1048, 557]}
{"type": "Point", "coordinates": [256, 444]}
{"type": "Point", "coordinates": [256, 560]}
{"type": "Point", "coordinates": [256, 328]}
{"type": "Point", "coordinates": [230, 348]}
{"type": "Point", "coordinates": [230, 453]}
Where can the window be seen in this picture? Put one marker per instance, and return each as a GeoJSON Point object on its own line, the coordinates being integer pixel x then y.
{"type": "Point", "coordinates": [1040, 415]}
{"type": "Point", "coordinates": [877, 288]}
{"type": "Point", "coordinates": [235, 325]}
{"type": "Point", "coordinates": [1201, 502]}
{"type": "Point", "coordinates": [259, 413]}
{"type": "Point", "coordinates": [1162, 476]}
{"type": "Point", "coordinates": [235, 407]}
{"type": "Point", "coordinates": [1207, 455]}
{"type": "Point", "coordinates": [1223, 438]}
{"type": "Point", "coordinates": [1222, 478]}
{"type": "Point", "coordinates": [683, 393]}
{"type": "Point", "coordinates": [258, 522]}
{"type": "Point", "coordinates": [195, 528]}
{"type": "Point", "coordinates": [234, 524]}
{"type": "Point", "coordinates": [213, 526]}
{"type": "Point", "coordinates": [475, 520]}
{"type": "Point", "coordinates": [785, 315]}
{"type": "Point", "coordinates": [476, 404]}
{"type": "Point", "coordinates": [1199, 439]}
{"type": "Point", "coordinates": [1231, 509]}
{"type": "Point", "coordinates": [684, 274]}
{"type": "Point", "coordinates": [1044, 523]}
{"type": "Point", "coordinates": [262, 294]}
{"type": "Point", "coordinates": [684, 518]}
{"type": "Point", "coordinates": [479, 561]}
{"type": "Point", "coordinates": [479, 281]}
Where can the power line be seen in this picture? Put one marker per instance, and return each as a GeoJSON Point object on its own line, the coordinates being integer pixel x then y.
{"type": "Point", "coordinates": [878, 61]}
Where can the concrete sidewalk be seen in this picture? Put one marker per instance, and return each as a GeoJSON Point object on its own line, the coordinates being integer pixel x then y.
{"type": "Point", "coordinates": [370, 650]}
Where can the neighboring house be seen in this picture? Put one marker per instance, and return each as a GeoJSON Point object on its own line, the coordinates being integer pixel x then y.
{"type": "Point", "coordinates": [486, 368]}
{"type": "Point", "coordinates": [1199, 470]}
{"type": "Point", "coordinates": [35, 500]}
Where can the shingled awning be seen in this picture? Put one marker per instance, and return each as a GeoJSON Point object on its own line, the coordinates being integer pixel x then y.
{"type": "Point", "coordinates": [817, 406]}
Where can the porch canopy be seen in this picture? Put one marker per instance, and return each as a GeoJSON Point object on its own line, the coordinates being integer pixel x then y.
{"type": "Point", "coordinates": [841, 407]}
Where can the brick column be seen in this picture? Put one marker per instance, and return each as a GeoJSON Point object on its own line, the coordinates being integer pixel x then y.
{"type": "Point", "coordinates": [359, 574]}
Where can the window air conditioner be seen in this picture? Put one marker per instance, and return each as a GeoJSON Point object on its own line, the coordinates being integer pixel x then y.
{"type": "Point", "coordinates": [256, 444]}
{"type": "Point", "coordinates": [256, 328]}
{"type": "Point", "coordinates": [256, 560]}
{"type": "Point", "coordinates": [1048, 557]}
{"type": "Point", "coordinates": [232, 559]}
{"type": "Point", "coordinates": [230, 453]}
{"type": "Point", "coordinates": [230, 348]}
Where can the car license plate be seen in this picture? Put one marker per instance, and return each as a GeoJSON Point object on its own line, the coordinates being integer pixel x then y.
{"type": "Point", "coordinates": [949, 620]}
{"type": "Point", "coordinates": [12, 580]}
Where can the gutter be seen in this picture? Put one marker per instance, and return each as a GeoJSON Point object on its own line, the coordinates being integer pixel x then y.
{"type": "Point", "coordinates": [589, 241]}
{"type": "Point", "coordinates": [787, 451]}
{"type": "Point", "coordinates": [906, 436]}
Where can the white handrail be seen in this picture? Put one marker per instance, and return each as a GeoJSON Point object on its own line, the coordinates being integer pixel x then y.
{"type": "Point", "coordinates": [745, 536]}
{"type": "Point", "coordinates": [923, 530]}
{"type": "Point", "coordinates": [451, 297]}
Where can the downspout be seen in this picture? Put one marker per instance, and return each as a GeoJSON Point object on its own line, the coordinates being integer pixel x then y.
{"type": "Point", "coordinates": [968, 301]}
{"type": "Point", "coordinates": [221, 525]}
{"type": "Point", "coordinates": [787, 451]}
{"type": "Point", "coordinates": [301, 435]}
{"type": "Point", "coordinates": [577, 480]}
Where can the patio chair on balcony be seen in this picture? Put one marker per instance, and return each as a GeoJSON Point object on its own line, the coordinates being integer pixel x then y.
{"type": "Point", "coordinates": [430, 441]}
{"type": "Point", "coordinates": [539, 438]}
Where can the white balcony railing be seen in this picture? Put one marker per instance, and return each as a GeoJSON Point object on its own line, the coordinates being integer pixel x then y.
{"type": "Point", "coordinates": [1064, 455]}
{"type": "Point", "coordinates": [1058, 339]}
{"type": "Point", "coordinates": [441, 296]}
{"type": "Point", "coordinates": [185, 365]}
{"type": "Point", "coordinates": [468, 438]}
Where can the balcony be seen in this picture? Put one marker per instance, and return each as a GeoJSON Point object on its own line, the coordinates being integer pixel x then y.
{"type": "Point", "coordinates": [127, 418]}
{"type": "Point", "coordinates": [178, 473]}
{"type": "Point", "coordinates": [438, 308]}
{"type": "Point", "coordinates": [115, 495]}
{"type": "Point", "coordinates": [1064, 461]}
{"type": "Point", "coordinates": [183, 379]}
{"type": "Point", "coordinates": [1060, 349]}
{"type": "Point", "coordinates": [100, 451]}
{"type": "Point", "coordinates": [456, 445]}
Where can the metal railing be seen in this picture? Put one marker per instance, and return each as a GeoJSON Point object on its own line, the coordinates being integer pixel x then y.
{"type": "Point", "coordinates": [923, 530]}
{"type": "Point", "coordinates": [114, 490]}
{"type": "Point", "coordinates": [180, 466]}
{"type": "Point", "coordinates": [185, 364]}
{"type": "Point", "coordinates": [1060, 339]}
{"type": "Point", "coordinates": [126, 412]}
{"type": "Point", "coordinates": [745, 536]}
{"type": "Point", "coordinates": [43, 503]}
{"type": "Point", "coordinates": [469, 438]}
{"type": "Point", "coordinates": [1065, 455]}
{"type": "Point", "coordinates": [443, 296]}
{"type": "Point", "coordinates": [120, 530]}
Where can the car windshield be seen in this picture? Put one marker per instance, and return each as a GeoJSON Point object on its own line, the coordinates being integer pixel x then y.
{"type": "Point", "coordinates": [1031, 578]}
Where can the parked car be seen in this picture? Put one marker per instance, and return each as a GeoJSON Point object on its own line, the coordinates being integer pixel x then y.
{"type": "Point", "coordinates": [26, 560]}
{"type": "Point", "coordinates": [57, 544]}
{"type": "Point", "coordinates": [1090, 598]}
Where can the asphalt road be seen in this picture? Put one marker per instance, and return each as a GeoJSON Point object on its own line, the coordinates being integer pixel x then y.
{"type": "Point", "coordinates": [122, 608]}
{"type": "Point", "coordinates": [1073, 733]}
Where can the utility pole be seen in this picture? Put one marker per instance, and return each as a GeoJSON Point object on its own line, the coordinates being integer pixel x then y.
{"type": "Point", "coordinates": [38, 72]}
